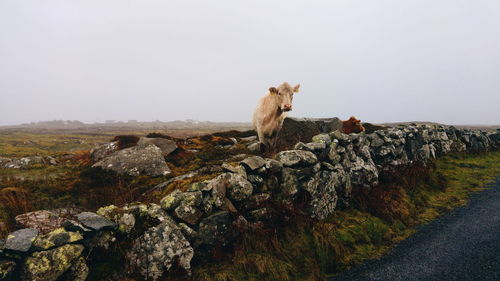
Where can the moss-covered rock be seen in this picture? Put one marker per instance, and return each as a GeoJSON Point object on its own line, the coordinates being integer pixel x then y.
{"type": "Point", "coordinates": [56, 238]}
{"type": "Point", "coordinates": [50, 265]}
{"type": "Point", "coordinates": [157, 249]}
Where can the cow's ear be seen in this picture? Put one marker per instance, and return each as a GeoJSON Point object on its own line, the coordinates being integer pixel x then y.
{"type": "Point", "coordinates": [273, 91]}
{"type": "Point", "coordinates": [296, 88]}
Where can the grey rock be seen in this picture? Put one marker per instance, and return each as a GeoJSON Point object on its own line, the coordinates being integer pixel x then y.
{"type": "Point", "coordinates": [158, 249]}
{"type": "Point", "coordinates": [321, 189]}
{"type": "Point", "coordinates": [341, 138]}
{"type": "Point", "coordinates": [136, 160]}
{"type": "Point", "coordinates": [102, 151]}
{"type": "Point", "coordinates": [237, 169]}
{"type": "Point", "coordinates": [289, 183]}
{"type": "Point", "coordinates": [304, 129]}
{"type": "Point", "coordinates": [255, 147]}
{"type": "Point", "coordinates": [253, 163]}
{"type": "Point", "coordinates": [71, 225]}
{"type": "Point", "coordinates": [239, 188]}
{"type": "Point", "coordinates": [249, 139]}
{"type": "Point", "coordinates": [188, 213]}
{"type": "Point", "coordinates": [294, 158]}
{"type": "Point", "coordinates": [21, 240]}
{"type": "Point", "coordinates": [166, 146]}
{"type": "Point", "coordinates": [273, 166]}
{"type": "Point", "coordinates": [96, 222]}
{"type": "Point", "coordinates": [214, 229]}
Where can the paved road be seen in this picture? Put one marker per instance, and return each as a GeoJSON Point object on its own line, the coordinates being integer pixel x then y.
{"type": "Point", "coordinates": [462, 245]}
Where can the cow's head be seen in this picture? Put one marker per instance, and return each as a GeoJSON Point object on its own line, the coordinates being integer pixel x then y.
{"type": "Point", "coordinates": [284, 95]}
{"type": "Point", "coordinates": [353, 125]}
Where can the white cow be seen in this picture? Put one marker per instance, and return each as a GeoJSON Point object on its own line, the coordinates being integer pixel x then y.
{"type": "Point", "coordinates": [271, 111]}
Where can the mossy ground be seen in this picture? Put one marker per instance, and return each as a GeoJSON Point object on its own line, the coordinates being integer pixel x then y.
{"type": "Point", "coordinates": [306, 250]}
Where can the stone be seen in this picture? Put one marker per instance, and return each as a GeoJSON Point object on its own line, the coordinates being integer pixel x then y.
{"type": "Point", "coordinates": [254, 147]}
{"type": "Point", "coordinates": [249, 139]}
{"type": "Point", "coordinates": [333, 155]}
{"type": "Point", "coordinates": [253, 163]}
{"type": "Point", "coordinates": [321, 189]}
{"type": "Point", "coordinates": [363, 173]}
{"type": "Point", "coordinates": [239, 188]}
{"type": "Point", "coordinates": [255, 180]}
{"type": "Point", "coordinates": [341, 138]}
{"type": "Point", "coordinates": [102, 151]}
{"type": "Point", "coordinates": [154, 252]}
{"type": "Point", "coordinates": [21, 240]}
{"type": "Point", "coordinates": [136, 160]}
{"type": "Point", "coordinates": [188, 213]}
{"type": "Point", "coordinates": [322, 138]}
{"type": "Point", "coordinates": [50, 265]}
{"type": "Point", "coordinates": [295, 158]}
{"type": "Point", "coordinates": [44, 221]}
{"type": "Point", "coordinates": [289, 183]}
{"type": "Point", "coordinates": [273, 166]}
{"type": "Point", "coordinates": [166, 146]}
{"type": "Point", "coordinates": [188, 232]}
{"type": "Point", "coordinates": [315, 147]}
{"type": "Point", "coordinates": [214, 229]}
{"type": "Point", "coordinates": [56, 238]}
{"type": "Point", "coordinates": [79, 271]}
{"type": "Point", "coordinates": [304, 129]}
{"type": "Point", "coordinates": [96, 222]}
{"type": "Point", "coordinates": [237, 169]}
{"type": "Point", "coordinates": [172, 200]}
{"type": "Point", "coordinates": [71, 225]}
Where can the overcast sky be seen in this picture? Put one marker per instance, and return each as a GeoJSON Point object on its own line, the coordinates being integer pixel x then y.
{"type": "Point", "coordinates": [382, 61]}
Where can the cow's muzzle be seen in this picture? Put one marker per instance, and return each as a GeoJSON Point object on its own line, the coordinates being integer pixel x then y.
{"type": "Point", "coordinates": [287, 107]}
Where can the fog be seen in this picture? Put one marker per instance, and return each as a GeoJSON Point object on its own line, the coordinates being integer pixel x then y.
{"type": "Point", "coordinates": [382, 61]}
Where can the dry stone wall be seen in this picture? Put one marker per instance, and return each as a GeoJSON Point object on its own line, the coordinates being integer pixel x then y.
{"type": "Point", "coordinates": [314, 178]}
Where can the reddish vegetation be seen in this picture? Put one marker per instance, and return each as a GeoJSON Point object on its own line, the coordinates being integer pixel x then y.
{"type": "Point", "coordinates": [352, 125]}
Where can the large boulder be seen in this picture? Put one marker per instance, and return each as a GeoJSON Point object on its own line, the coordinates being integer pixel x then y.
{"type": "Point", "coordinates": [158, 249]}
{"type": "Point", "coordinates": [166, 146]}
{"type": "Point", "coordinates": [136, 160]}
{"type": "Point", "coordinates": [303, 129]}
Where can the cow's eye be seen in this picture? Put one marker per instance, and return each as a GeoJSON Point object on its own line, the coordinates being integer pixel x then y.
{"type": "Point", "coordinates": [279, 94]}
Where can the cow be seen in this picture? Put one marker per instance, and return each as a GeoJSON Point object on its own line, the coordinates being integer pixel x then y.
{"type": "Point", "coordinates": [352, 125]}
{"type": "Point", "coordinates": [271, 111]}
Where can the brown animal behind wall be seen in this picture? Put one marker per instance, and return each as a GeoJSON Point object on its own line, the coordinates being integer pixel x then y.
{"type": "Point", "coordinates": [352, 125]}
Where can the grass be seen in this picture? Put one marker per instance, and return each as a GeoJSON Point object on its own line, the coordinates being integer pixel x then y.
{"type": "Point", "coordinates": [305, 250]}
